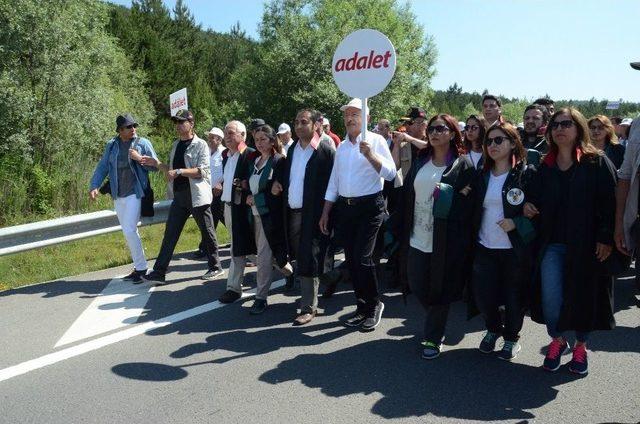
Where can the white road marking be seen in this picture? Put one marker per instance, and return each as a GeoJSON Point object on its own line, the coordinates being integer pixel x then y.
{"type": "Point", "coordinates": [136, 330]}
{"type": "Point", "coordinates": [119, 304]}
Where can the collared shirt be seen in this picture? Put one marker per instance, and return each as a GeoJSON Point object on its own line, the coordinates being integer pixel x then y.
{"type": "Point", "coordinates": [352, 174]}
{"type": "Point", "coordinates": [298, 171]}
{"type": "Point", "coordinates": [228, 173]}
{"type": "Point", "coordinates": [286, 146]}
{"type": "Point", "coordinates": [216, 166]}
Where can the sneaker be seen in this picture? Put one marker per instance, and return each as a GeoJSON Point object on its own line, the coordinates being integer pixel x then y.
{"type": "Point", "coordinates": [556, 349]}
{"type": "Point", "coordinates": [212, 274]}
{"type": "Point", "coordinates": [258, 307]}
{"type": "Point", "coordinates": [372, 322]}
{"type": "Point", "coordinates": [154, 277]}
{"type": "Point", "coordinates": [431, 350]}
{"type": "Point", "coordinates": [509, 350]}
{"type": "Point", "coordinates": [286, 270]}
{"type": "Point", "coordinates": [488, 343]}
{"type": "Point", "coordinates": [135, 276]}
{"type": "Point", "coordinates": [578, 362]}
{"type": "Point", "coordinates": [355, 320]}
{"type": "Point", "coordinates": [229, 296]}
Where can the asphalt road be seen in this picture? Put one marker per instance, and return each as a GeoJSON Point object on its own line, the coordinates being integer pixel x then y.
{"type": "Point", "coordinates": [93, 349]}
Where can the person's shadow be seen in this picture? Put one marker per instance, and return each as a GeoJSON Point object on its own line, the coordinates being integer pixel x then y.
{"type": "Point", "coordinates": [460, 384]}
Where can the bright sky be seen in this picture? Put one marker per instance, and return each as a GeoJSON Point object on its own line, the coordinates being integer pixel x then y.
{"type": "Point", "coordinates": [569, 49]}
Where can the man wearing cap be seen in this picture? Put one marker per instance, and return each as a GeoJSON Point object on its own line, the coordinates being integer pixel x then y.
{"type": "Point", "coordinates": [237, 163]}
{"type": "Point", "coordinates": [406, 144]}
{"type": "Point", "coordinates": [189, 185]}
{"type": "Point", "coordinates": [355, 191]}
{"type": "Point", "coordinates": [128, 181]}
{"type": "Point", "coordinates": [304, 183]}
{"type": "Point", "coordinates": [253, 126]}
{"type": "Point", "coordinates": [284, 134]}
{"type": "Point", "coordinates": [326, 127]}
{"type": "Point", "coordinates": [214, 139]}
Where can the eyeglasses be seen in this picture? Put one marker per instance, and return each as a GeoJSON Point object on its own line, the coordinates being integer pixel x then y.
{"type": "Point", "coordinates": [471, 127]}
{"type": "Point", "coordinates": [496, 140]}
{"type": "Point", "coordinates": [566, 124]}
{"type": "Point", "coordinates": [438, 129]}
{"type": "Point", "coordinates": [417, 121]}
{"type": "Point", "coordinates": [596, 127]}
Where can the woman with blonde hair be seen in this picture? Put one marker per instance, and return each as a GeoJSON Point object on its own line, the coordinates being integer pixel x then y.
{"type": "Point", "coordinates": [603, 137]}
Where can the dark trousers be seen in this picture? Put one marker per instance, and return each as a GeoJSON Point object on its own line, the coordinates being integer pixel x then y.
{"type": "Point", "coordinates": [217, 211]}
{"type": "Point", "coordinates": [498, 278]}
{"type": "Point", "coordinates": [357, 226]}
{"type": "Point", "coordinates": [178, 214]}
{"type": "Point", "coordinates": [418, 271]}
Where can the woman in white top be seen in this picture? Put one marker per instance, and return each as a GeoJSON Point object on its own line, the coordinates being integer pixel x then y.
{"type": "Point", "coordinates": [436, 233]}
{"type": "Point", "coordinates": [474, 132]}
{"type": "Point", "coordinates": [268, 213]}
{"type": "Point", "coordinates": [503, 236]}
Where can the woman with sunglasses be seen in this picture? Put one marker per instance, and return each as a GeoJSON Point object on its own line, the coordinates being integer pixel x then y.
{"type": "Point", "coordinates": [268, 213]}
{"type": "Point", "coordinates": [474, 134]}
{"type": "Point", "coordinates": [128, 181]}
{"type": "Point", "coordinates": [604, 138]}
{"type": "Point", "coordinates": [503, 235]}
{"type": "Point", "coordinates": [436, 229]}
{"type": "Point", "coordinates": [575, 234]}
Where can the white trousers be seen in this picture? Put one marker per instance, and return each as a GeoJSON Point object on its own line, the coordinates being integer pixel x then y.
{"type": "Point", "coordinates": [128, 211]}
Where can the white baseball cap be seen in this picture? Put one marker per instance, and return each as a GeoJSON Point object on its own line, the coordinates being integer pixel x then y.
{"type": "Point", "coordinates": [216, 131]}
{"type": "Point", "coordinates": [283, 128]}
{"type": "Point", "coordinates": [355, 102]}
{"type": "Point", "coordinates": [626, 121]}
{"type": "Point", "coordinates": [325, 121]}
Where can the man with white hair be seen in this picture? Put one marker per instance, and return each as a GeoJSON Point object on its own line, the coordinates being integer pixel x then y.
{"type": "Point", "coordinates": [326, 127]}
{"type": "Point", "coordinates": [355, 194]}
{"type": "Point", "coordinates": [235, 168]}
{"type": "Point", "coordinates": [284, 134]}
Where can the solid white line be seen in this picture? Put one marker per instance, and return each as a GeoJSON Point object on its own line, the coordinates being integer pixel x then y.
{"type": "Point", "coordinates": [71, 352]}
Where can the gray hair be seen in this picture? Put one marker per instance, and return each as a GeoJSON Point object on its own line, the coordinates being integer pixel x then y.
{"type": "Point", "coordinates": [239, 127]}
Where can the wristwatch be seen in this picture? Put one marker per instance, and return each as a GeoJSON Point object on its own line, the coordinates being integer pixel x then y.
{"type": "Point", "coordinates": [178, 171]}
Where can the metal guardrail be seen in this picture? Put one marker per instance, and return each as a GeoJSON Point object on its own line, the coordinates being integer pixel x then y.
{"type": "Point", "coordinates": [25, 237]}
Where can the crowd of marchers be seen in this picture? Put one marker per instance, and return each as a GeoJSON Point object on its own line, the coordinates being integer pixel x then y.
{"type": "Point", "coordinates": [532, 218]}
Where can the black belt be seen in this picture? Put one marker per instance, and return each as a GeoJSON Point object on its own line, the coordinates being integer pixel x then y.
{"type": "Point", "coordinates": [298, 210]}
{"type": "Point", "coordinates": [355, 200]}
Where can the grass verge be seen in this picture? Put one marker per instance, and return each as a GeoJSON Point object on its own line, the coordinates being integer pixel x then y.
{"type": "Point", "coordinates": [92, 254]}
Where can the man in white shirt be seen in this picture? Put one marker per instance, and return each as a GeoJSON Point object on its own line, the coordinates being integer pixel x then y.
{"type": "Point", "coordinates": [304, 184]}
{"type": "Point", "coordinates": [236, 162]}
{"type": "Point", "coordinates": [284, 134]}
{"type": "Point", "coordinates": [214, 139]}
{"type": "Point", "coordinates": [355, 188]}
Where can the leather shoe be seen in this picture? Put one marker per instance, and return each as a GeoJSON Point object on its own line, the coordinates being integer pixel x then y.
{"type": "Point", "coordinates": [304, 318]}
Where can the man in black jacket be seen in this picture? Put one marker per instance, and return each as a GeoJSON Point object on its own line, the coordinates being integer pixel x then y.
{"type": "Point", "coordinates": [535, 120]}
{"type": "Point", "coordinates": [304, 183]}
{"type": "Point", "coordinates": [235, 167]}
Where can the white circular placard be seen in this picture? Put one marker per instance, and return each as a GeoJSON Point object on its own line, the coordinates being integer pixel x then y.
{"type": "Point", "coordinates": [364, 63]}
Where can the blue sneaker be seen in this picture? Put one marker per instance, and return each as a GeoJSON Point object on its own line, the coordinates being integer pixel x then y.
{"type": "Point", "coordinates": [488, 343]}
{"type": "Point", "coordinates": [579, 364]}
{"type": "Point", "coordinates": [431, 350]}
{"type": "Point", "coordinates": [509, 350]}
{"type": "Point", "coordinates": [555, 350]}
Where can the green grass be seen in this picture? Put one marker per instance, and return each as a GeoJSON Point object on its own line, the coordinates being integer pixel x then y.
{"type": "Point", "coordinates": [90, 254]}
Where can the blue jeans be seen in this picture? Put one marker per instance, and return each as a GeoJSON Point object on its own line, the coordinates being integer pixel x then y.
{"type": "Point", "coordinates": [552, 276]}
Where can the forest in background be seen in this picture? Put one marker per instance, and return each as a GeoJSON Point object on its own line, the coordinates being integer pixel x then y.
{"type": "Point", "coordinates": [70, 67]}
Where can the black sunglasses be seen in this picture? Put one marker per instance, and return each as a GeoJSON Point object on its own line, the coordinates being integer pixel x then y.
{"type": "Point", "coordinates": [496, 140]}
{"type": "Point", "coordinates": [438, 129]}
{"type": "Point", "coordinates": [566, 124]}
